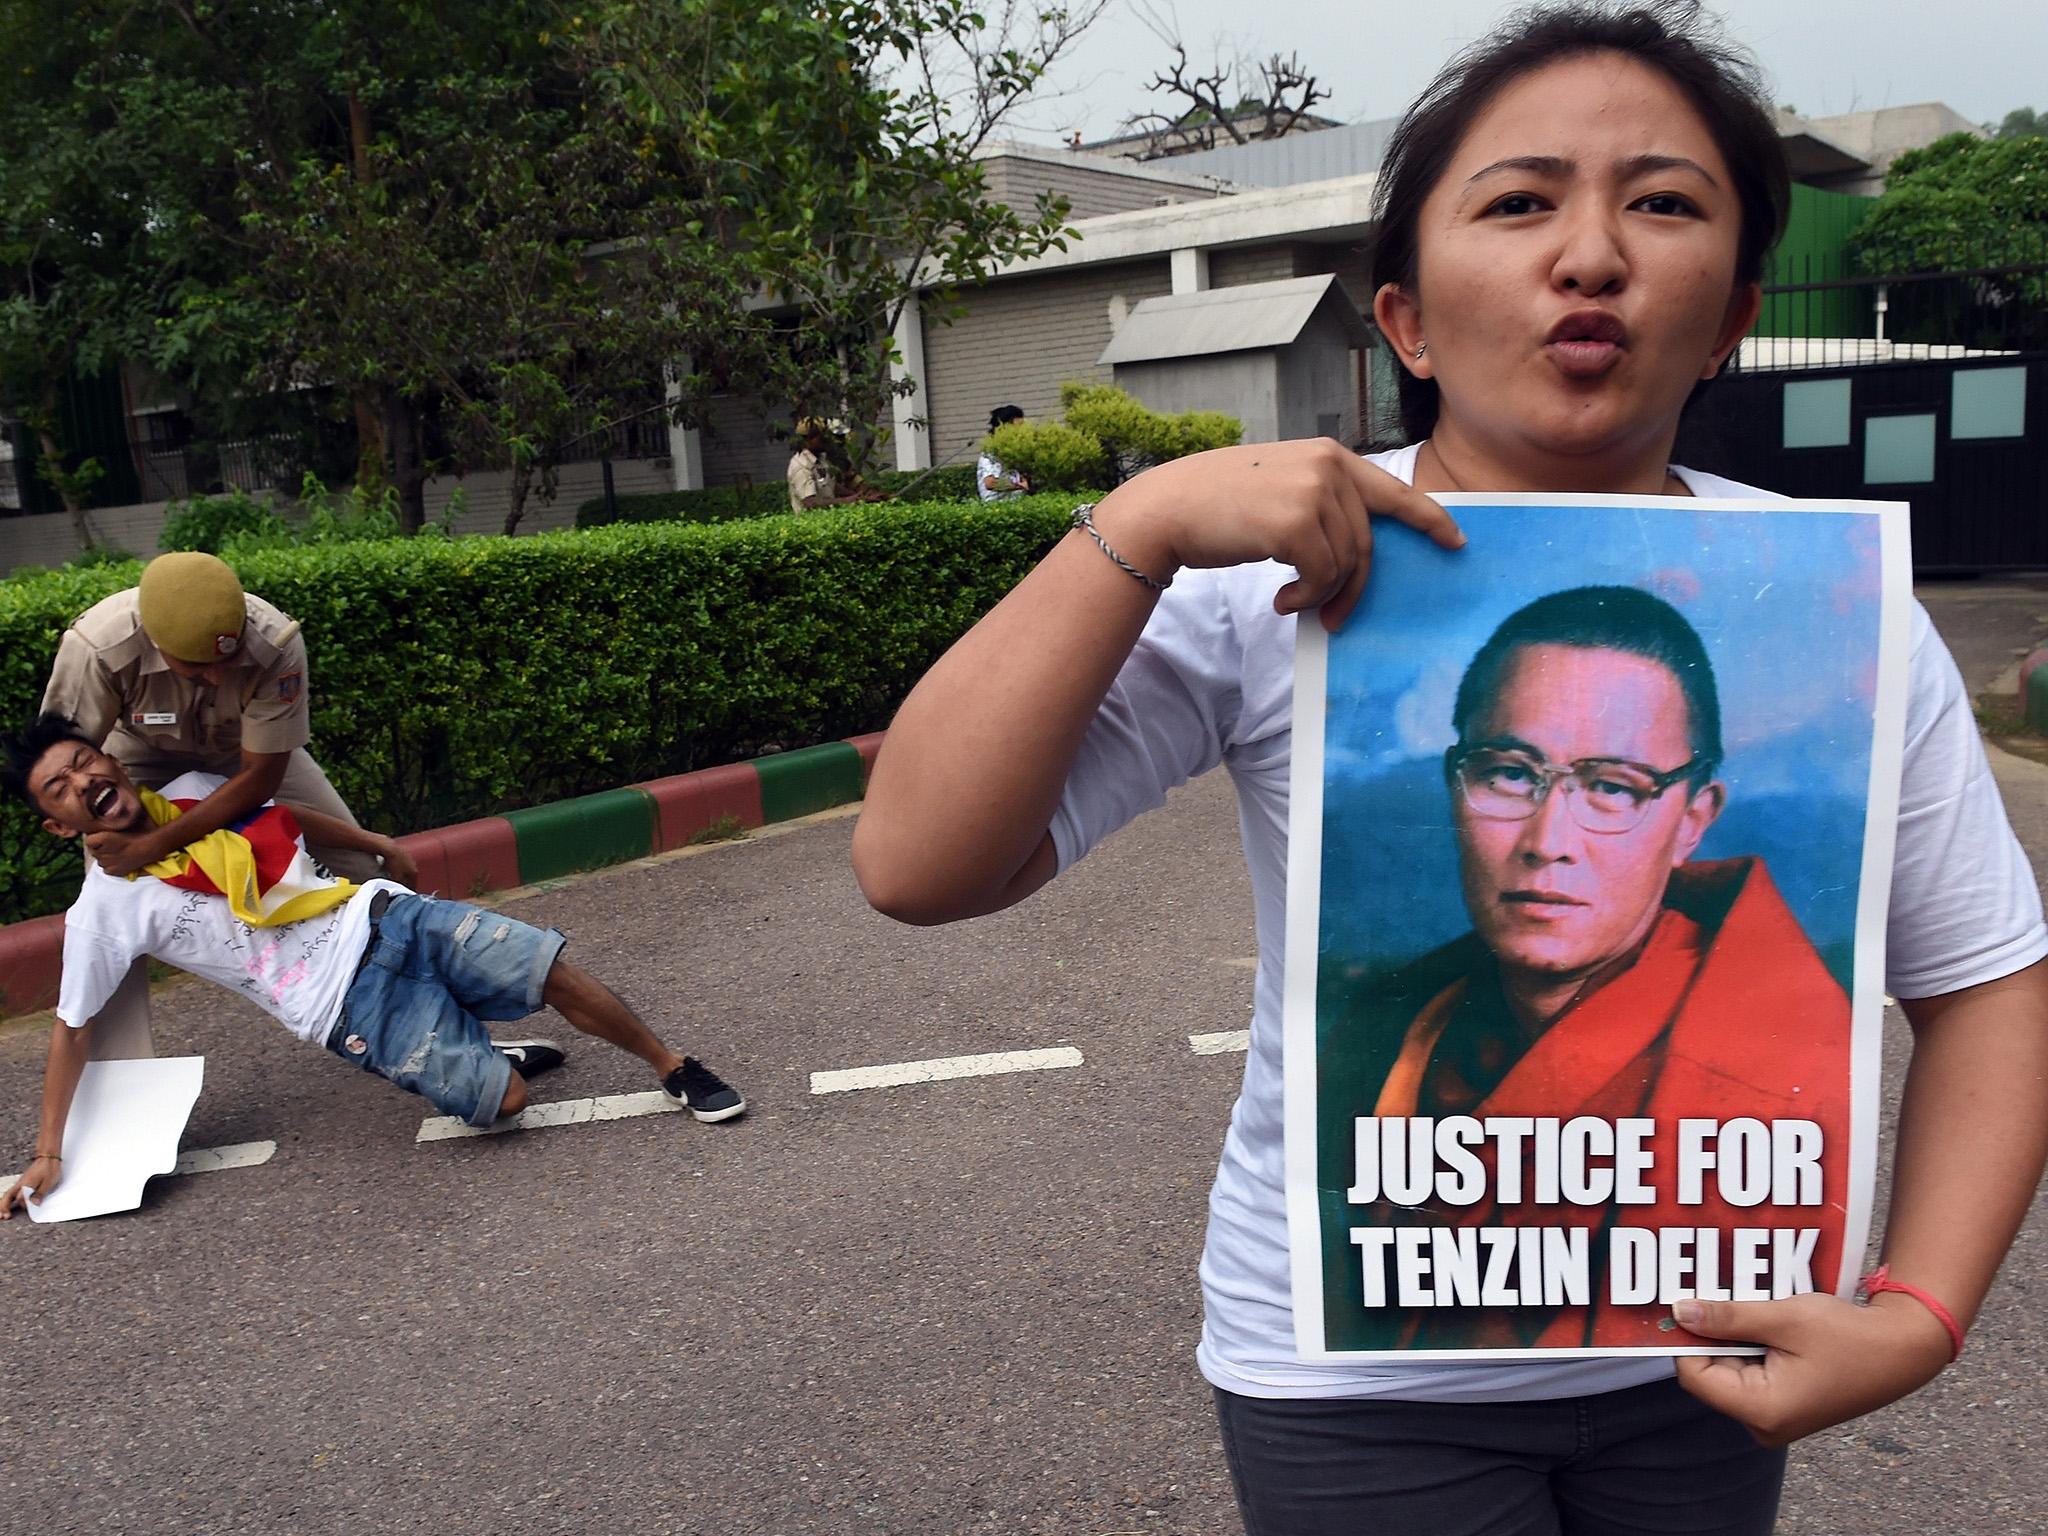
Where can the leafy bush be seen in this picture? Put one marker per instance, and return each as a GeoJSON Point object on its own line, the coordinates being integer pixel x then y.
{"type": "Point", "coordinates": [39, 873]}
{"type": "Point", "coordinates": [1054, 456]}
{"type": "Point", "coordinates": [100, 557]}
{"type": "Point", "coordinates": [454, 678]}
{"type": "Point", "coordinates": [714, 504]}
{"type": "Point", "coordinates": [1106, 437]}
{"type": "Point", "coordinates": [726, 503]}
{"type": "Point", "coordinates": [206, 523]}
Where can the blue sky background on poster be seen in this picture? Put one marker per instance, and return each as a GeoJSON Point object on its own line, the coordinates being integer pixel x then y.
{"type": "Point", "coordinates": [1789, 618]}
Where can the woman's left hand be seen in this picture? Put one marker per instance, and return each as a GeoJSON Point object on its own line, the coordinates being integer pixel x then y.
{"type": "Point", "coordinates": [1829, 1360]}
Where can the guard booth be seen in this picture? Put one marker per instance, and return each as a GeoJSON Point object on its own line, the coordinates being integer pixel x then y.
{"type": "Point", "coordinates": [1281, 356]}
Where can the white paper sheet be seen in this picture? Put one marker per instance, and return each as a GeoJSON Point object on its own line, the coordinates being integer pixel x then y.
{"type": "Point", "coordinates": [126, 1120]}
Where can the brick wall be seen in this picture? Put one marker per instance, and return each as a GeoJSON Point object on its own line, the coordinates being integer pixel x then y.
{"type": "Point", "coordinates": [737, 446]}
{"type": "Point", "coordinates": [1018, 341]}
{"type": "Point", "coordinates": [1255, 264]}
{"type": "Point", "coordinates": [1017, 181]}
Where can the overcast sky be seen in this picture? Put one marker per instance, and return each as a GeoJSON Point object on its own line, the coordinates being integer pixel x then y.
{"type": "Point", "coordinates": [1982, 57]}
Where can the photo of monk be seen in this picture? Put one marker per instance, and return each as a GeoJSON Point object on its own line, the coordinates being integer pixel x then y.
{"type": "Point", "coordinates": [1577, 1053]}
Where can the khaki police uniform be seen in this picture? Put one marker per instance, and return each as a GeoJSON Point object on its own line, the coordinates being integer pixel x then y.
{"type": "Point", "coordinates": [111, 678]}
{"type": "Point", "coordinates": [810, 474]}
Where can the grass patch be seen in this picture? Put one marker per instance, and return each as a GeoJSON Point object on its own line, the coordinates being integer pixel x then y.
{"type": "Point", "coordinates": [2004, 725]}
{"type": "Point", "coordinates": [726, 829]}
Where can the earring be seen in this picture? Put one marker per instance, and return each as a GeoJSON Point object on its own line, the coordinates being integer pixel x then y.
{"type": "Point", "coordinates": [1420, 348]}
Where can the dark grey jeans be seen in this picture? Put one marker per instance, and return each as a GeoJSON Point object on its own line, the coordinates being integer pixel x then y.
{"type": "Point", "coordinates": [1647, 1461]}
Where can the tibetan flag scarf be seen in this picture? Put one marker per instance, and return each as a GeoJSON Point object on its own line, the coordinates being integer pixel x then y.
{"type": "Point", "coordinates": [258, 864]}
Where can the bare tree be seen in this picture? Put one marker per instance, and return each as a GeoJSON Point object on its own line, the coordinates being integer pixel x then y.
{"type": "Point", "coordinates": [1274, 95]}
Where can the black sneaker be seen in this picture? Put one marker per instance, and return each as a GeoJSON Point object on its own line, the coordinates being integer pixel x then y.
{"type": "Point", "coordinates": [708, 1096]}
{"type": "Point", "coordinates": [530, 1058]}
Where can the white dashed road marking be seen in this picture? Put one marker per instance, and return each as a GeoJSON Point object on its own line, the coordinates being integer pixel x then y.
{"type": "Point", "coordinates": [1217, 1044]}
{"type": "Point", "coordinates": [241, 1154]}
{"type": "Point", "coordinates": [540, 1117]}
{"type": "Point", "coordinates": [896, 1074]}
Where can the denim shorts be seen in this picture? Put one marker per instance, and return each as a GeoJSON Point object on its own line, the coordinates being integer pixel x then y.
{"type": "Point", "coordinates": [431, 971]}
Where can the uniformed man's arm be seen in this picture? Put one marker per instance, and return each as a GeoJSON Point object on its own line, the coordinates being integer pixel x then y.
{"type": "Point", "coordinates": [69, 1050]}
{"type": "Point", "coordinates": [257, 780]}
{"type": "Point", "coordinates": [326, 831]}
{"type": "Point", "coordinates": [80, 689]}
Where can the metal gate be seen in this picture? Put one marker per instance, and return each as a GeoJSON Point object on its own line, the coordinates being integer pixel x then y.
{"type": "Point", "coordinates": [1964, 439]}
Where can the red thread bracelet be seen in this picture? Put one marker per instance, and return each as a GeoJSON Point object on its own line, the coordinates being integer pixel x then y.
{"type": "Point", "coordinates": [1880, 1280]}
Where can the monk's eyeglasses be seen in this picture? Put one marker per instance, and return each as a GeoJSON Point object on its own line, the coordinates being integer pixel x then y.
{"type": "Point", "coordinates": [1603, 794]}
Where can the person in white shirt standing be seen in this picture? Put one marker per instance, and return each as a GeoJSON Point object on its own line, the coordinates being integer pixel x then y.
{"type": "Point", "coordinates": [1571, 238]}
{"type": "Point", "coordinates": [391, 982]}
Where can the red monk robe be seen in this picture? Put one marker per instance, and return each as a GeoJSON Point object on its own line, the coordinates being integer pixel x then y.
{"type": "Point", "coordinates": [1727, 1012]}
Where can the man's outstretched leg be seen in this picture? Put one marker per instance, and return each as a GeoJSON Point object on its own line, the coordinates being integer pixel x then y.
{"type": "Point", "coordinates": [596, 1010]}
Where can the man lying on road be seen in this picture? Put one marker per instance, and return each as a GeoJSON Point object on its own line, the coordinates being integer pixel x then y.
{"type": "Point", "coordinates": [392, 982]}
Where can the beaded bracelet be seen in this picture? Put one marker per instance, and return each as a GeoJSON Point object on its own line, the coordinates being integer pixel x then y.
{"type": "Point", "coordinates": [1880, 1280]}
{"type": "Point", "coordinates": [1084, 518]}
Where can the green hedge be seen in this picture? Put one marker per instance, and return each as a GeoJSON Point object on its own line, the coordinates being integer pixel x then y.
{"type": "Point", "coordinates": [726, 503]}
{"type": "Point", "coordinates": [459, 678]}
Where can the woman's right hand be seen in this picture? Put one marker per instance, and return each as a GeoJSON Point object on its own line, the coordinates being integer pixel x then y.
{"type": "Point", "coordinates": [36, 1181]}
{"type": "Point", "coordinates": [1307, 503]}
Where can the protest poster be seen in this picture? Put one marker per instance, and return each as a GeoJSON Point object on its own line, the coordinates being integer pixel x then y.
{"type": "Point", "coordinates": [1590, 848]}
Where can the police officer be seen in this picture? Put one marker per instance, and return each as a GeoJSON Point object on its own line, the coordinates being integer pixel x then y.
{"type": "Point", "coordinates": [188, 673]}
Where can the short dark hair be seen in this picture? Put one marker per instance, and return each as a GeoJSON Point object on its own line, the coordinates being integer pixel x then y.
{"type": "Point", "coordinates": [23, 749]}
{"type": "Point", "coordinates": [1625, 619]}
{"type": "Point", "coordinates": [1002, 414]}
{"type": "Point", "coordinates": [1673, 37]}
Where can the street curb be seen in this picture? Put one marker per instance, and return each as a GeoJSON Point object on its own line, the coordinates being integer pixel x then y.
{"type": "Point", "coordinates": [495, 853]}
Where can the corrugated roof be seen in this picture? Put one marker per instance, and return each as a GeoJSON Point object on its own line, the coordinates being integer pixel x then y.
{"type": "Point", "coordinates": [1238, 319]}
{"type": "Point", "coordinates": [1351, 150]}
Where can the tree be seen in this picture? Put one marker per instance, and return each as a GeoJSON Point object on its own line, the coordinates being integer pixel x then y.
{"type": "Point", "coordinates": [834, 144]}
{"type": "Point", "coordinates": [2023, 123]}
{"type": "Point", "coordinates": [1270, 110]}
{"type": "Point", "coordinates": [1105, 437]}
{"type": "Point", "coordinates": [487, 227]}
{"type": "Point", "coordinates": [1273, 98]}
{"type": "Point", "coordinates": [1966, 205]}
{"type": "Point", "coordinates": [69, 238]}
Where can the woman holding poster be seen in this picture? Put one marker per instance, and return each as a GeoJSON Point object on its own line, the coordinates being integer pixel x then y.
{"type": "Point", "coordinates": [1573, 227]}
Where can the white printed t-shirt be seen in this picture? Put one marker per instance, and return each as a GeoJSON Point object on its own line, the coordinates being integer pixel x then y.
{"type": "Point", "coordinates": [1212, 680]}
{"type": "Point", "coordinates": [296, 972]}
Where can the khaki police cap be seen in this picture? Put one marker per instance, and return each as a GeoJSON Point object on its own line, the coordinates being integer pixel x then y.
{"type": "Point", "coordinates": [191, 605]}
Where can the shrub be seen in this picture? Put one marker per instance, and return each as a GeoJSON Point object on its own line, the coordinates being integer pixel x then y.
{"type": "Point", "coordinates": [100, 557]}
{"type": "Point", "coordinates": [1054, 456]}
{"type": "Point", "coordinates": [714, 504]}
{"type": "Point", "coordinates": [457, 678]}
{"type": "Point", "coordinates": [39, 873]}
{"type": "Point", "coordinates": [726, 503]}
{"type": "Point", "coordinates": [206, 523]}
{"type": "Point", "coordinates": [1106, 437]}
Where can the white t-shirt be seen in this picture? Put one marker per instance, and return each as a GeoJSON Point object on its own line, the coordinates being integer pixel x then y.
{"type": "Point", "coordinates": [1212, 680]}
{"type": "Point", "coordinates": [989, 466]}
{"type": "Point", "coordinates": [296, 972]}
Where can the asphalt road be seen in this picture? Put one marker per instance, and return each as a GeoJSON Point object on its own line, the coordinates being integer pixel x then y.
{"type": "Point", "coordinates": [956, 1307]}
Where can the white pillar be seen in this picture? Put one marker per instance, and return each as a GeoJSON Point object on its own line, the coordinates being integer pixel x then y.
{"type": "Point", "coordinates": [913, 435]}
{"type": "Point", "coordinates": [1191, 271]}
{"type": "Point", "coordinates": [685, 444]}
